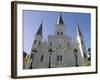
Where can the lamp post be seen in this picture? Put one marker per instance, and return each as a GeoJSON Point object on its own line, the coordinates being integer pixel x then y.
{"type": "Point", "coordinates": [50, 53]}
{"type": "Point", "coordinates": [75, 51]}
{"type": "Point", "coordinates": [32, 57]}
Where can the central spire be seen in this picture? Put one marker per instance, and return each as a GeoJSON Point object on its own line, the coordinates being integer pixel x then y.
{"type": "Point", "coordinates": [59, 26]}
{"type": "Point", "coordinates": [39, 32]}
{"type": "Point", "coordinates": [60, 20]}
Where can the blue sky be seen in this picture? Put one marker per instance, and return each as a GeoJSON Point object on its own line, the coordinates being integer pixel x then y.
{"type": "Point", "coordinates": [33, 19]}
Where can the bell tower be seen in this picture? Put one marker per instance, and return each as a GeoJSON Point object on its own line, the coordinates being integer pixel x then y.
{"type": "Point", "coordinates": [38, 37]}
{"type": "Point", "coordinates": [36, 43]}
{"type": "Point", "coordinates": [59, 26]}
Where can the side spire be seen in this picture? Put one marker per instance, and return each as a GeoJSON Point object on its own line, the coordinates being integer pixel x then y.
{"type": "Point", "coordinates": [60, 20]}
{"type": "Point", "coordinates": [78, 30]}
{"type": "Point", "coordinates": [39, 32]}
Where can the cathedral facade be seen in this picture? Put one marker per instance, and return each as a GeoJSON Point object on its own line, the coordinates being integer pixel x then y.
{"type": "Point", "coordinates": [59, 51]}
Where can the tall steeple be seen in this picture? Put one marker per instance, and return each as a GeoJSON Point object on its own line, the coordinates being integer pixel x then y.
{"type": "Point", "coordinates": [60, 20]}
{"type": "Point", "coordinates": [39, 32]}
{"type": "Point", "coordinates": [36, 43]}
{"type": "Point", "coordinates": [80, 40]}
{"type": "Point", "coordinates": [59, 26]}
{"type": "Point", "coordinates": [38, 37]}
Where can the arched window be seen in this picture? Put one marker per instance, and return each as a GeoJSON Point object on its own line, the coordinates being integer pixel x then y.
{"type": "Point", "coordinates": [39, 42]}
{"type": "Point", "coordinates": [84, 55]}
{"type": "Point", "coordinates": [34, 51]}
{"type": "Point", "coordinates": [35, 41]}
{"type": "Point", "coordinates": [75, 50]}
{"type": "Point", "coordinates": [50, 43]}
{"type": "Point", "coordinates": [59, 46]}
{"type": "Point", "coordinates": [57, 33]}
{"type": "Point", "coordinates": [82, 42]}
{"type": "Point", "coordinates": [59, 58]}
{"type": "Point", "coordinates": [76, 58]}
{"type": "Point", "coordinates": [32, 56]}
{"type": "Point", "coordinates": [68, 44]}
{"type": "Point", "coordinates": [42, 57]}
{"type": "Point", "coordinates": [61, 33]}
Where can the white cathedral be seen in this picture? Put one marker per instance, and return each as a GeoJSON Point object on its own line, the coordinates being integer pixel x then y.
{"type": "Point", "coordinates": [59, 51]}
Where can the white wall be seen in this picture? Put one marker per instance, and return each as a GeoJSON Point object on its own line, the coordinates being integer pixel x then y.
{"type": "Point", "coordinates": [5, 41]}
